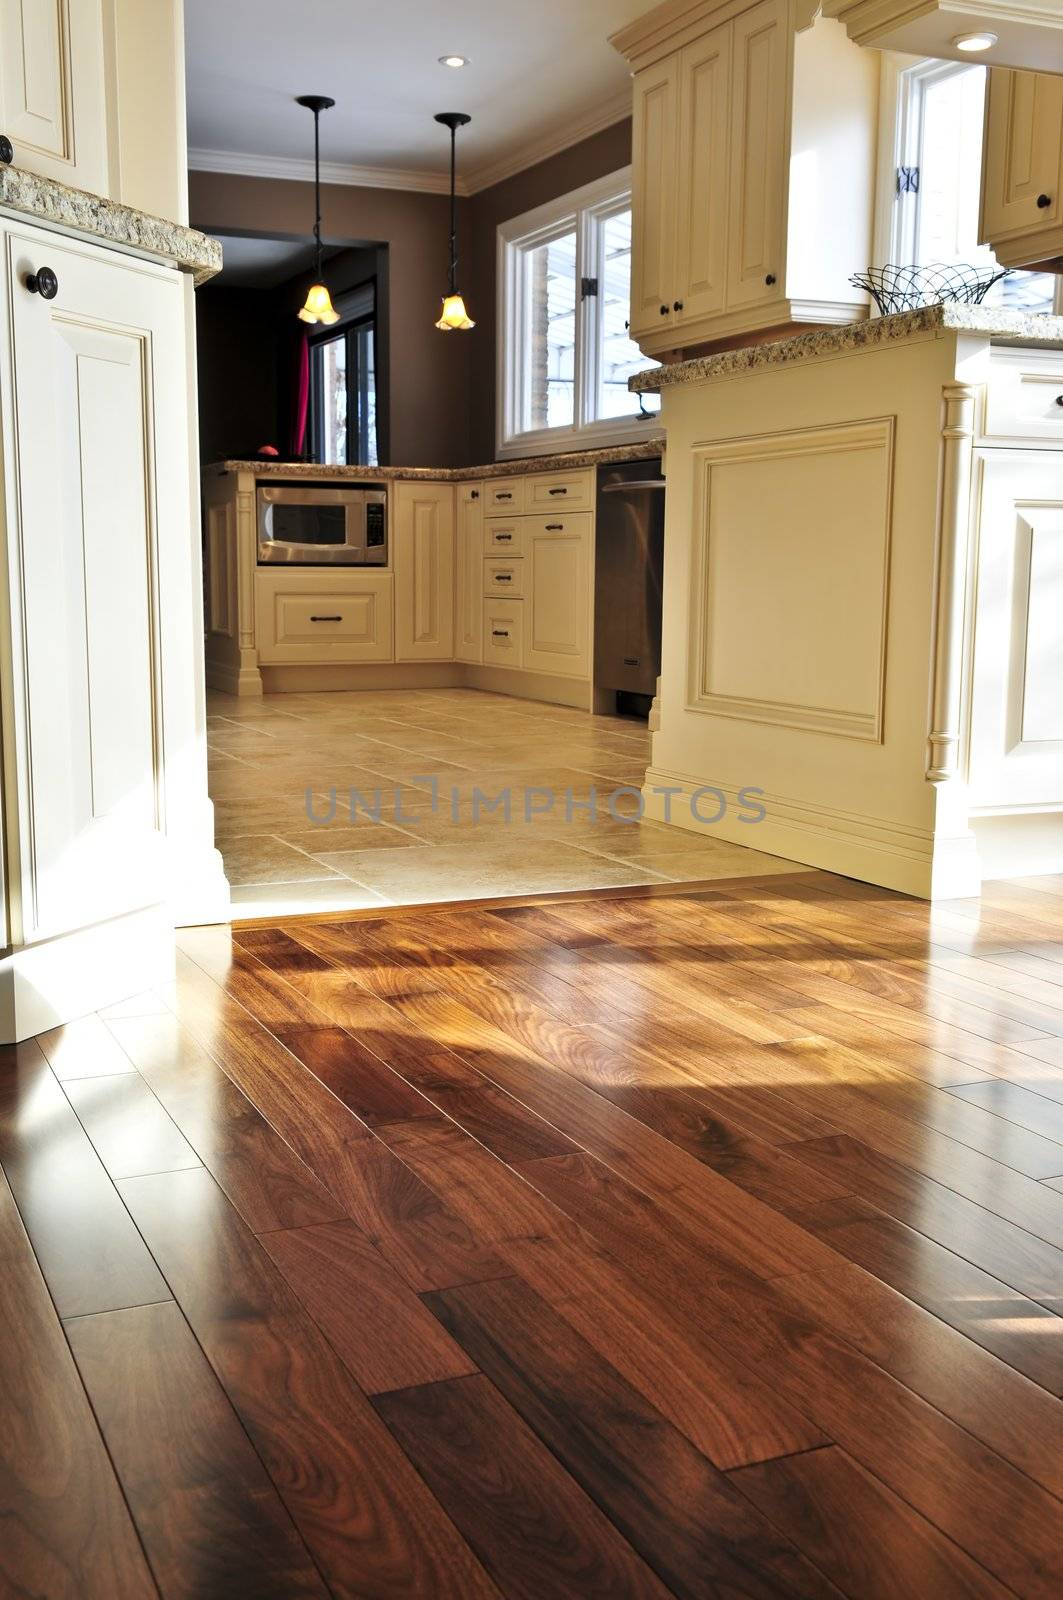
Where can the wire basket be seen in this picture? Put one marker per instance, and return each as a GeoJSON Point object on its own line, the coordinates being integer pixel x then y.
{"type": "Point", "coordinates": [909, 288]}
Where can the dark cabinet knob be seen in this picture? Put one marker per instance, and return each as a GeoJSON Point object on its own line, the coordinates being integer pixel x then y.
{"type": "Point", "coordinates": [475, 495]}
{"type": "Point", "coordinates": [678, 306]}
{"type": "Point", "coordinates": [770, 279]}
{"type": "Point", "coordinates": [43, 282]}
{"type": "Point", "coordinates": [664, 311]}
{"type": "Point", "coordinates": [1044, 201]}
{"type": "Point", "coordinates": [1059, 399]}
{"type": "Point", "coordinates": [7, 150]}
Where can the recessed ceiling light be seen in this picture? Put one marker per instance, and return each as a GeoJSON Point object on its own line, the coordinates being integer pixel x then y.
{"type": "Point", "coordinates": [453, 61]}
{"type": "Point", "coordinates": [974, 42]}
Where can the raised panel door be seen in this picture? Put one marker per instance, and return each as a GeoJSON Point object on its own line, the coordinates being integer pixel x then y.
{"type": "Point", "coordinates": [52, 89]}
{"type": "Point", "coordinates": [759, 155]}
{"type": "Point", "coordinates": [704, 157]}
{"type": "Point", "coordinates": [1023, 154]}
{"type": "Point", "coordinates": [557, 637]}
{"type": "Point", "coordinates": [654, 164]}
{"type": "Point", "coordinates": [423, 546]}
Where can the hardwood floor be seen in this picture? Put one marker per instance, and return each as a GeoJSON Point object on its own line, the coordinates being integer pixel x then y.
{"type": "Point", "coordinates": [694, 1241]}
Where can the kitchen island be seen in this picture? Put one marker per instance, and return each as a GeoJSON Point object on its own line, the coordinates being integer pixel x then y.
{"type": "Point", "coordinates": [863, 597]}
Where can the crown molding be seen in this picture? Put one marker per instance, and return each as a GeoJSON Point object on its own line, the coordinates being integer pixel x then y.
{"type": "Point", "coordinates": [605, 115]}
{"type": "Point", "coordinates": [299, 170]}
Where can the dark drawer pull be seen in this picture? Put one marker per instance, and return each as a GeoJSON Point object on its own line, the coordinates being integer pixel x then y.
{"type": "Point", "coordinates": [7, 150]}
{"type": "Point", "coordinates": [43, 282]}
{"type": "Point", "coordinates": [504, 495]}
{"type": "Point", "coordinates": [326, 619]}
{"type": "Point", "coordinates": [503, 577]}
{"type": "Point", "coordinates": [559, 491]}
{"type": "Point", "coordinates": [555, 527]}
{"type": "Point", "coordinates": [500, 633]}
{"type": "Point", "coordinates": [503, 538]}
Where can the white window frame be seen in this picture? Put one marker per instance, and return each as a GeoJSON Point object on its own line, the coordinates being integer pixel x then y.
{"type": "Point", "coordinates": [582, 210]}
{"type": "Point", "coordinates": [903, 81]}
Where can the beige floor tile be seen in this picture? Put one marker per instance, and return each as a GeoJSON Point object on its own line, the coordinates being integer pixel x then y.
{"type": "Point", "coordinates": [474, 871]}
{"type": "Point", "coordinates": [299, 899]}
{"type": "Point", "coordinates": [263, 858]}
{"type": "Point", "coordinates": [367, 835]}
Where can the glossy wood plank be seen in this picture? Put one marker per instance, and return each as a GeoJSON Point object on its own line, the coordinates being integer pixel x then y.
{"type": "Point", "coordinates": [219, 1526]}
{"type": "Point", "coordinates": [373, 1320]}
{"type": "Point", "coordinates": [92, 1256]}
{"type": "Point", "coordinates": [83, 1049]}
{"type": "Point", "coordinates": [535, 1530]}
{"type": "Point", "coordinates": [67, 1533]}
{"type": "Point", "coordinates": [866, 1538]}
{"type": "Point", "coordinates": [682, 1516]}
{"type": "Point", "coordinates": [262, 1176]}
{"type": "Point", "coordinates": [130, 1131]}
{"type": "Point", "coordinates": [1015, 1104]}
{"type": "Point", "coordinates": [361, 1510]}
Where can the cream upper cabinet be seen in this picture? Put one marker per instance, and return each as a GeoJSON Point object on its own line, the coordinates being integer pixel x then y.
{"type": "Point", "coordinates": [655, 152]}
{"type": "Point", "coordinates": [704, 131]}
{"type": "Point", "coordinates": [1022, 180]}
{"type": "Point", "coordinates": [468, 586]}
{"type": "Point", "coordinates": [423, 545]}
{"type": "Point", "coordinates": [557, 570]}
{"type": "Point", "coordinates": [735, 227]}
{"type": "Point", "coordinates": [52, 89]}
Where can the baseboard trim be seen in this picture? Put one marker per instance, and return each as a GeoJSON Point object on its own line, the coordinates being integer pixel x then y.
{"type": "Point", "coordinates": [370, 675]}
{"type": "Point", "coordinates": [575, 692]}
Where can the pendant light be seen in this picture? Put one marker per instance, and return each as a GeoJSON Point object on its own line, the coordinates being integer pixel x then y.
{"type": "Point", "coordinates": [455, 316]}
{"type": "Point", "coordinates": [318, 306]}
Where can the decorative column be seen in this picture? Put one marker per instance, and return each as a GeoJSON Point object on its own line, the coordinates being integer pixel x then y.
{"type": "Point", "coordinates": [954, 524]}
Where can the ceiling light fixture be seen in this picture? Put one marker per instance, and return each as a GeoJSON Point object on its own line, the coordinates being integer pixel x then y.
{"type": "Point", "coordinates": [318, 306]}
{"type": "Point", "coordinates": [454, 61]}
{"type": "Point", "coordinates": [454, 316]}
{"type": "Point", "coordinates": [972, 43]}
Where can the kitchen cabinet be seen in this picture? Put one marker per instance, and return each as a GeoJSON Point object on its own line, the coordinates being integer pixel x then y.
{"type": "Point", "coordinates": [106, 815]}
{"type": "Point", "coordinates": [503, 632]}
{"type": "Point", "coordinates": [468, 595]}
{"type": "Point", "coordinates": [1024, 34]}
{"type": "Point", "coordinates": [1022, 168]}
{"type": "Point", "coordinates": [422, 531]}
{"type": "Point", "coordinates": [317, 615]}
{"type": "Point", "coordinates": [735, 227]}
{"type": "Point", "coordinates": [557, 571]}
{"type": "Point", "coordinates": [92, 95]}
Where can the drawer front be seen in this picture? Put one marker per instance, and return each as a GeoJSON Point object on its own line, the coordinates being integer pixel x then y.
{"type": "Point", "coordinates": [324, 620]}
{"type": "Point", "coordinates": [562, 525]}
{"type": "Point", "coordinates": [503, 536]}
{"type": "Point", "coordinates": [1024, 397]}
{"type": "Point", "coordinates": [503, 632]}
{"type": "Point", "coordinates": [504, 577]}
{"type": "Point", "coordinates": [504, 494]}
{"type": "Point", "coordinates": [562, 491]}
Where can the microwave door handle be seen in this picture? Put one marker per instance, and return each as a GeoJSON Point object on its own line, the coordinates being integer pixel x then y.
{"type": "Point", "coordinates": [356, 530]}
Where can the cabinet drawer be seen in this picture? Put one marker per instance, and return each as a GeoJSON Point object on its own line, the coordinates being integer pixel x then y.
{"type": "Point", "coordinates": [504, 577]}
{"type": "Point", "coordinates": [503, 632]}
{"type": "Point", "coordinates": [504, 494]}
{"type": "Point", "coordinates": [562, 525]}
{"type": "Point", "coordinates": [321, 618]}
{"type": "Point", "coordinates": [504, 536]}
{"type": "Point", "coordinates": [1024, 396]}
{"type": "Point", "coordinates": [562, 491]}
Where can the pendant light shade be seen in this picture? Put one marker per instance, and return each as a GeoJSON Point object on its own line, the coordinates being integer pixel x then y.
{"type": "Point", "coordinates": [454, 317]}
{"type": "Point", "coordinates": [318, 306]}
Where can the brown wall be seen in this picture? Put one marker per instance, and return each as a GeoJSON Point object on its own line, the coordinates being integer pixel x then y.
{"type": "Point", "coordinates": [429, 371]}
{"type": "Point", "coordinates": [570, 169]}
{"type": "Point", "coordinates": [442, 386]}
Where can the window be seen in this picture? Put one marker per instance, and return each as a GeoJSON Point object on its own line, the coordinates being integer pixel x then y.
{"type": "Point", "coordinates": [938, 112]}
{"type": "Point", "coordinates": [343, 384]}
{"type": "Point", "coordinates": [564, 353]}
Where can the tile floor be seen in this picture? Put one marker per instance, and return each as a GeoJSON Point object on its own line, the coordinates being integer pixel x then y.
{"type": "Point", "coordinates": [276, 760]}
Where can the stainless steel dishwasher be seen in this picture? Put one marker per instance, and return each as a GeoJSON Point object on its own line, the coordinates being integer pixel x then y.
{"type": "Point", "coordinates": [629, 564]}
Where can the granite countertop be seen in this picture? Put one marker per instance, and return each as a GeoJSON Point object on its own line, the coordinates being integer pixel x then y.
{"type": "Point", "coordinates": [643, 451]}
{"type": "Point", "coordinates": [1001, 327]}
{"type": "Point", "coordinates": [107, 220]}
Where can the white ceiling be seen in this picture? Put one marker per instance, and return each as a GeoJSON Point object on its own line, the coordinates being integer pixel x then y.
{"type": "Point", "coordinates": [252, 263]}
{"type": "Point", "coordinates": [542, 74]}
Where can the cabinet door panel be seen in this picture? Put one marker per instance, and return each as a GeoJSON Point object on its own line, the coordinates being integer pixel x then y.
{"type": "Point", "coordinates": [759, 156]}
{"type": "Point", "coordinates": [1024, 135]}
{"type": "Point", "coordinates": [468, 607]}
{"type": "Point", "coordinates": [51, 89]}
{"type": "Point", "coordinates": [704, 124]}
{"type": "Point", "coordinates": [424, 572]}
{"type": "Point", "coordinates": [557, 579]}
{"type": "Point", "coordinates": [654, 158]}
{"type": "Point", "coordinates": [88, 691]}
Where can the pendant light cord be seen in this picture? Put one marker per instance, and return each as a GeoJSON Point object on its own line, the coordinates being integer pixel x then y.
{"type": "Point", "coordinates": [453, 210]}
{"type": "Point", "coordinates": [317, 191]}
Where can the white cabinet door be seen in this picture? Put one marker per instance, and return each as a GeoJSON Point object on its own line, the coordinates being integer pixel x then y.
{"type": "Point", "coordinates": [468, 597]}
{"type": "Point", "coordinates": [1023, 166]}
{"type": "Point", "coordinates": [557, 567]}
{"type": "Point", "coordinates": [1017, 694]}
{"type": "Point", "coordinates": [98, 508]}
{"type": "Point", "coordinates": [52, 89]}
{"type": "Point", "coordinates": [423, 561]}
{"type": "Point", "coordinates": [759, 155]}
{"type": "Point", "coordinates": [654, 159]}
{"type": "Point", "coordinates": [704, 127]}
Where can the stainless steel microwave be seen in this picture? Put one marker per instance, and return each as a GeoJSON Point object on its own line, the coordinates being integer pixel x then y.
{"type": "Point", "coordinates": [323, 524]}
